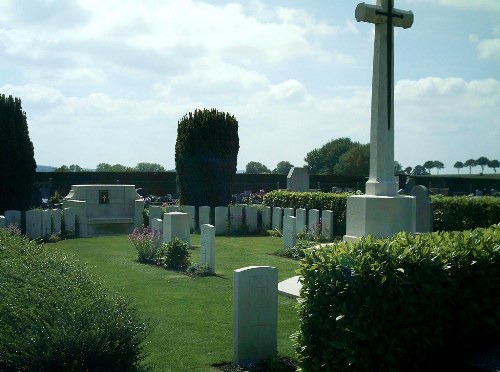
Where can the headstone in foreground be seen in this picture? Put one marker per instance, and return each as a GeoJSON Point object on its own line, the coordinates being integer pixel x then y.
{"type": "Point", "coordinates": [255, 313]}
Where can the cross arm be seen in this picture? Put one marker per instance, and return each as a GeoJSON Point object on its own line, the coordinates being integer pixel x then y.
{"type": "Point", "coordinates": [376, 14]}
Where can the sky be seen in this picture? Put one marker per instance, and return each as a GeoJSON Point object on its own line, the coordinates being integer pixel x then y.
{"type": "Point", "coordinates": [108, 81]}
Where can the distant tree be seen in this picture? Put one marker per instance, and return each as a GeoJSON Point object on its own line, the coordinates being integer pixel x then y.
{"type": "Point", "coordinates": [62, 168]}
{"type": "Point", "coordinates": [398, 168]}
{"type": "Point", "coordinates": [408, 170]}
{"type": "Point", "coordinates": [459, 165]}
{"type": "Point", "coordinates": [438, 165]}
{"type": "Point", "coordinates": [419, 170]}
{"type": "Point", "coordinates": [256, 167]}
{"type": "Point", "coordinates": [75, 168]}
{"type": "Point", "coordinates": [494, 164]}
{"type": "Point", "coordinates": [429, 164]}
{"type": "Point", "coordinates": [482, 162]}
{"type": "Point", "coordinates": [324, 159]}
{"type": "Point", "coordinates": [283, 167]}
{"type": "Point", "coordinates": [355, 161]}
{"type": "Point", "coordinates": [470, 163]}
{"type": "Point", "coordinates": [206, 154]}
{"type": "Point", "coordinates": [149, 167]}
{"type": "Point", "coordinates": [17, 157]}
{"type": "Point", "coordinates": [105, 167]}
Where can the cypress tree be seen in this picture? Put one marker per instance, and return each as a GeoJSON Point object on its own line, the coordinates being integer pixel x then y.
{"type": "Point", "coordinates": [17, 157]}
{"type": "Point", "coordinates": [206, 152]}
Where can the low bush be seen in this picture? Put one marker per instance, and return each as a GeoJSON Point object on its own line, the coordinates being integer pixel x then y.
{"type": "Point", "coordinates": [55, 317]}
{"type": "Point", "coordinates": [199, 269]}
{"type": "Point", "coordinates": [147, 243]}
{"type": "Point", "coordinates": [465, 212]}
{"type": "Point", "coordinates": [296, 252]}
{"type": "Point", "coordinates": [405, 303]}
{"type": "Point", "coordinates": [174, 255]}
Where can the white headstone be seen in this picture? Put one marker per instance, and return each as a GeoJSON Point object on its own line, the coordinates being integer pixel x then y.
{"type": "Point", "coordinates": [13, 217]}
{"type": "Point", "coordinates": [56, 221]}
{"type": "Point", "coordinates": [381, 212]}
{"type": "Point", "coordinates": [327, 224]}
{"type": "Point", "coordinates": [266, 218]}
{"type": "Point", "coordinates": [235, 217]}
{"type": "Point", "coordinates": [191, 210]}
{"type": "Point", "coordinates": [69, 220]}
{"type": "Point", "coordinates": [289, 231]}
{"type": "Point", "coordinates": [176, 224]}
{"type": "Point", "coordinates": [424, 209]}
{"type": "Point", "coordinates": [297, 179]}
{"type": "Point", "coordinates": [154, 212]}
{"type": "Point", "coordinates": [34, 223]}
{"type": "Point", "coordinates": [46, 222]}
{"type": "Point", "coordinates": [314, 226]}
{"type": "Point", "coordinates": [2, 222]}
{"type": "Point", "coordinates": [255, 313]}
{"type": "Point", "coordinates": [221, 221]}
{"type": "Point", "coordinates": [301, 215]}
{"type": "Point", "coordinates": [172, 208]}
{"type": "Point", "coordinates": [288, 212]}
{"type": "Point", "coordinates": [204, 215]}
{"type": "Point", "coordinates": [208, 246]}
{"type": "Point", "coordinates": [251, 218]}
{"type": "Point", "coordinates": [277, 218]}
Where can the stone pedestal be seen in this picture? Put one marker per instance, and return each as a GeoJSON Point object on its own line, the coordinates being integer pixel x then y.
{"type": "Point", "coordinates": [379, 216]}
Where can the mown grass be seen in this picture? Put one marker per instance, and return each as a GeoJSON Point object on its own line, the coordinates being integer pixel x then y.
{"type": "Point", "coordinates": [191, 316]}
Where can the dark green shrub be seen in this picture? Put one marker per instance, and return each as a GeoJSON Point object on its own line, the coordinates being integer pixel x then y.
{"type": "Point", "coordinates": [55, 317]}
{"type": "Point", "coordinates": [199, 269]}
{"type": "Point", "coordinates": [405, 303]}
{"type": "Point", "coordinates": [206, 152]}
{"type": "Point", "coordinates": [465, 212]}
{"type": "Point", "coordinates": [337, 203]}
{"type": "Point", "coordinates": [174, 255]}
{"type": "Point", "coordinates": [296, 252]}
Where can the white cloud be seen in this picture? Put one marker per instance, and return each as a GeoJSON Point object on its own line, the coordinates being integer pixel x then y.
{"type": "Point", "coordinates": [489, 49]}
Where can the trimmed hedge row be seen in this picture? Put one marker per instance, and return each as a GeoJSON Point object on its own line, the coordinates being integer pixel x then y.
{"type": "Point", "coordinates": [404, 303]}
{"type": "Point", "coordinates": [337, 203]}
{"type": "Point", "coordinates": [451, 213]}
{"type": "Point", "coordinates": [465, 212]}
{"type": "Point", "coordinates": [55, 317]}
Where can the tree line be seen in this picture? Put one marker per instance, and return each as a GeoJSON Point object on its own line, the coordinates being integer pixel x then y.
{"type": "Point", "coordinates": [105, 167]}
{"type": "Point", "coordinates": [342, 156]}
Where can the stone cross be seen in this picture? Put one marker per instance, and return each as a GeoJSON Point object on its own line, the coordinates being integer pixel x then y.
{"type": "Point", "coordinates": [385, 17]}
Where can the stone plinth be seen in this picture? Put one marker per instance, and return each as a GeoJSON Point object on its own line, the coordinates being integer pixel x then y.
{"type": "Point", "coordinates": [176, 225]}
{"type": "Point", "coordinates": [379, 216]}
{"type": "Point", "coordinates": [255, 313]}
{"type": "Point", "coordinates": [106, 209]}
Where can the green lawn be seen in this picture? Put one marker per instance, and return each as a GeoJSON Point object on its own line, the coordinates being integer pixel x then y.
{"type": "Point", "coordinates": [191, 317]}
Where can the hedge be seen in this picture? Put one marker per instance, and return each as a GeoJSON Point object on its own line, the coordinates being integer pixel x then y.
{"type": "Point", "coordinates": [464, 212]}
{"type": "Point", "coordinates": [451, 213]}
{"type": "Point", "coordinates": [407, 303]}
{"type": "Point", "coordinates": [55, 317]}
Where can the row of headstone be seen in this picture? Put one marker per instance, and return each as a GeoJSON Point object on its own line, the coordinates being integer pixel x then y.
{"type": "Point", "coordinates": [316, 226]}
{"type": "Point", "coordinates": [41, 223]}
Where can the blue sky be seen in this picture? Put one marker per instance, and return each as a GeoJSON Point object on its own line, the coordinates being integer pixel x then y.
{"type": "Point", "coordinates": [107, 81]}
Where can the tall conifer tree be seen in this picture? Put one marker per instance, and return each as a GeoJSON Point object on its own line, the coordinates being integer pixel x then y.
{"type": "Point", "coordinates": [17, 157]}
{"type": "Point", "coordinates": [206, 154]}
